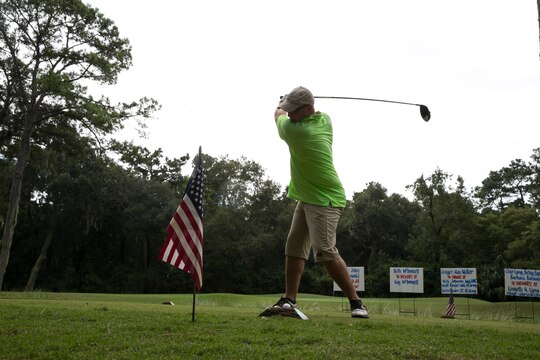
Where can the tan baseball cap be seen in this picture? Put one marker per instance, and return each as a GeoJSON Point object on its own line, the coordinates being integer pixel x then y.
{"type": "Point", "coordinates": [298, 97]}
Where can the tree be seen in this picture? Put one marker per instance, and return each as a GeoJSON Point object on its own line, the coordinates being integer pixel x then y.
{"type": "Point", "coordinates": [58, 187]}
{"type": "Point", "coordinates": [448, 218]}
{"type": "Point", "coordinates": [380, 227]}
{"type": "Point", "coordinates": [509, 186]}
{"type": "Point", "coordinates": [231, 182]}
{"type": "Point", "coordinates": [535, 185]}
{"type": "Point", "coordinates": [150, 165]}
{"type": "Point", "coordinates": [381, 222]}
{"type": "Point", "coordinates": [246, 218]}
{"type": "Point", "coordinates": [50, 50]}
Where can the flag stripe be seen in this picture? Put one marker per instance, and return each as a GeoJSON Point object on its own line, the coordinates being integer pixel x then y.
{"type": "Point", "coordinates": [195, 221]}
{"type": "Point", "coordinates": [191, 227]}
{"type": "Point", "coordinates": [182, 255]}
{"type": "Point", "coordinates": [171, 255]}
{"type": "Point", "coordinates": [183, 244]}
{"type": "Point", "coordinates": [181, 225]}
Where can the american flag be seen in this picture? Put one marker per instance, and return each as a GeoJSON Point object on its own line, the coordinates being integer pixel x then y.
{"type": "Point", "coordinates": [183, 246]}
{"type": "Point", "coordinates": [451, 308]}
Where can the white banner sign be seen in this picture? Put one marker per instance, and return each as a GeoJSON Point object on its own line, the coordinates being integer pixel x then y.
{"type": "Point", "coordinates": [406, 280]}
{"type": "Point", "coordinates": [357, 276]}
{"type": "Point", "coordinates": [459, 281]}
{"type": "Point", "coordinates": [522, 282]}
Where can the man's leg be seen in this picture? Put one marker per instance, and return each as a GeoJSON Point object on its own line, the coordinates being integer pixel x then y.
{"type": "Point", "coordinates": [337, 269]}
{"type": "Point", "coordinates": [322, 222]}
{"type": "Point", "coordinates": [294, 267]}
{"type": "Point", "coordinates": [297, 251]}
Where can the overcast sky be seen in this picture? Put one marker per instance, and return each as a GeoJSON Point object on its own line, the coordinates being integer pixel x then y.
{"type": "Point", "coordinates": [218, 69]}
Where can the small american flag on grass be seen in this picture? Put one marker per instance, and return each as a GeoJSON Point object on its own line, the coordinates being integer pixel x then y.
{"type": "Point", "coordinates": [183, 246]}
{"type": "Point", "coordinates": [450, 308]}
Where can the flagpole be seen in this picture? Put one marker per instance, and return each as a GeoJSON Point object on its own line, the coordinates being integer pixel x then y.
{"type": "Point", "coordinates": [193, 309]}
{"type": "Point", "coordinates": [194, 284]}
{"type": "Point", "coordinates": [185, 251]}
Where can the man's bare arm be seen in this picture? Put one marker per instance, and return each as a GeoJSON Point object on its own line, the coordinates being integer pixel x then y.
{"type": "Point", "coordinates": [278, 113]}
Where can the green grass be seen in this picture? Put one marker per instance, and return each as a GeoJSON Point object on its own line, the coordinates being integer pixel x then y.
{"type": "Point", "coordinates": [104, 326]}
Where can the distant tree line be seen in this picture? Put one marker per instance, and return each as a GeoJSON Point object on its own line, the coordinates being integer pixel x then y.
{"type": "Point", "coordinates": [82, 212]}
{"type": "Point", "coordinates": [89, 223]}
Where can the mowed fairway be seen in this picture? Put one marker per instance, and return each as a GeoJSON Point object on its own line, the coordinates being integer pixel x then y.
{"type": "Point", "coordinates": [104, 326]}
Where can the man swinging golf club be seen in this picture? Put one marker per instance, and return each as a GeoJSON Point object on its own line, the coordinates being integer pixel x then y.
{"type": "Point", "coordinates": [321, 198]}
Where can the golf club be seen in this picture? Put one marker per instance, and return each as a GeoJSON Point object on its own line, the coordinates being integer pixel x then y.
{"type": "Point", "coordinates": [424, 111]}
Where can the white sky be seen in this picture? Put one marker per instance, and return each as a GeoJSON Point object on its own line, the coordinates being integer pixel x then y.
{"type": "Point", "coordinates": [219, 67]}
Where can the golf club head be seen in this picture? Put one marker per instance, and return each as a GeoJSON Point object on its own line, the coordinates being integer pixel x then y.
{"type": "Point", "coordinates": [424, 111]}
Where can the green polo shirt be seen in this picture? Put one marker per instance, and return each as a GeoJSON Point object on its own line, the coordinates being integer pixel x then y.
{"type": "Point", "coordinates": [314, 179]}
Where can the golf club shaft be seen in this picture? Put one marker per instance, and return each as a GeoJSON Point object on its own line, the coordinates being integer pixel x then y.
{"type": "Point", "coordinates": [355, 98]}
{"type": "Point", "coordinates": [424, 111]}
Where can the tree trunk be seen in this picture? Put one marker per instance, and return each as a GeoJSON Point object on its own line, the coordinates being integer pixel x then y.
{"type": "Point", "coordinates": [15, 197]}
{"type": "Point", "coordinates": [31, 283]}
{"type": "Point", "coordinates": [145, 250]}
{"type": "Point", "coordinates": [373, 261]}
{"type": "Point", "coordinates": [436, 232]}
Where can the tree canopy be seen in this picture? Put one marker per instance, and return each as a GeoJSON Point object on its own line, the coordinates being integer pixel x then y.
{"type": "Point", "coordinates": [91, 223]}
{"type": "Point", "coordinates": [50, 51]}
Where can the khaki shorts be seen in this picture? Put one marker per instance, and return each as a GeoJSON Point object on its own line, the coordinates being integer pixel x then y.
{"type": "Point", "coordinates": [313, 227]}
